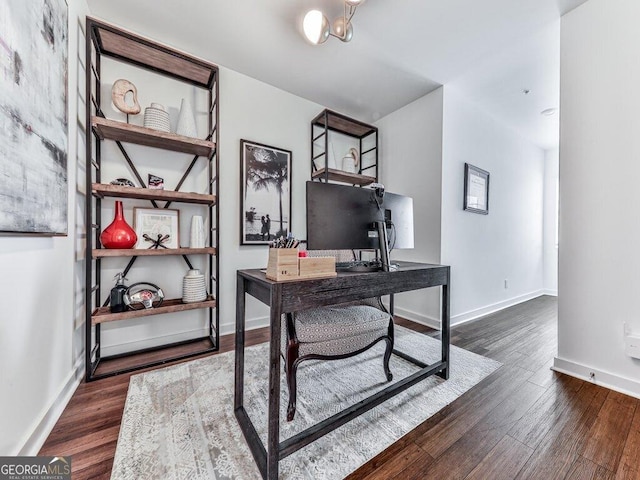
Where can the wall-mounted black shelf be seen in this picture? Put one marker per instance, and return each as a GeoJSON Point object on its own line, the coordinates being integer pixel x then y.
{"type": "Point", "coordinates": [329, 121]}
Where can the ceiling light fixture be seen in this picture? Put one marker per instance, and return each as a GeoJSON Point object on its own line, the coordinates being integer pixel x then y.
{"type": "Point", "coordinates": [317, 29]}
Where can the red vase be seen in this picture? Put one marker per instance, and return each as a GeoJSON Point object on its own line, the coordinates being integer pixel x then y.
{"type": "Point", "coordinates": [119, 234]}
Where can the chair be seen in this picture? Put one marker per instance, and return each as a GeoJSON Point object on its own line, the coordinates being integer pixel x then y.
{"type": "Point", "coordinates": [333, 332]}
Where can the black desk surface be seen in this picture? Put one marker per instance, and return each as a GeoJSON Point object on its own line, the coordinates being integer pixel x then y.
{"type": "Point", "coordinates": [299, 294]}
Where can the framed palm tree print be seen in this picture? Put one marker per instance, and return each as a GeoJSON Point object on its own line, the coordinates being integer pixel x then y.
{"type": "Point", "coordinates": [265, 193]}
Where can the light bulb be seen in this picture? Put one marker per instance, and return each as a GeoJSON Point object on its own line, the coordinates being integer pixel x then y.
{"type": "Point", "coordinates": [316, 27]}
{"type": "Point", "coordinates": [343, 29]}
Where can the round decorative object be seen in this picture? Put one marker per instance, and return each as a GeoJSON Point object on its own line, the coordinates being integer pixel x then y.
{"type": "Point", "coordinates": [119, 93]}
{"type": "Point", "coordinates": [118, 234]}
{"type": "Point", "coordinates": [122, 182]}
{"type": "Point", "coordinates": [157, 118]}
{"type": "Point", "coordinates": [193, 287]}
{"type": "Point", "coordinates": [343, 29]}
{"type": "Point", "coordinates": [143, 295]}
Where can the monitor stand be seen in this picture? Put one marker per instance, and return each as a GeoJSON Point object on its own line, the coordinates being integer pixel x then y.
{"type": "Point", "coordinates": [383, 245]}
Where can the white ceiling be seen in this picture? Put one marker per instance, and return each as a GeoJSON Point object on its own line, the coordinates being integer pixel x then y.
{"type": "Point", "coordinates": [490, 50]}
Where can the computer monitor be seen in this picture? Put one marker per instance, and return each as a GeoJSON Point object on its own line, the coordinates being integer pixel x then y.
{"type": "Point", "coordinates": [342, 217]}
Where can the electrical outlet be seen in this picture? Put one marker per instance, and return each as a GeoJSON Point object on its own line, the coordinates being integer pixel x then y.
{"type": "Point", "coordinates": [506, 283]}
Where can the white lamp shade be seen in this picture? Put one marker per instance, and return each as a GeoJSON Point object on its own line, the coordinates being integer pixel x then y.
{"type": "Point", "coordinates": [316, 27]}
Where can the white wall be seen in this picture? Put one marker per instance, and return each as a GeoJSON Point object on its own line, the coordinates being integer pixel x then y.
{"type": "Point", "coordinates": [599, 279]}
{"type": "Point", "coordinates": [410, 164]}
{"type": "Point", "coordinates": [484, 250]}
{"type": "Point", "coordinates": [40, 343]}
{"type": "Point", "coordinates": [550, 242]}
{"type": "Point", "coordinates": [256, 111]}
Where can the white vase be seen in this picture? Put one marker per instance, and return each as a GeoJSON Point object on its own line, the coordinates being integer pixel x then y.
{"type": "Point", "coordinates": [197, 232]}
{"type": "Point", "coordinates": [186, 120]}
{"type": "Point", "coordinates": [194, 288]}
{"type": "Point", "coordinates": [350, 161]}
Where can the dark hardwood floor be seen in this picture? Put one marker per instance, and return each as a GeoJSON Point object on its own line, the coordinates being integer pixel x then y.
{"type": "Point", "coordinates": [522, 422]}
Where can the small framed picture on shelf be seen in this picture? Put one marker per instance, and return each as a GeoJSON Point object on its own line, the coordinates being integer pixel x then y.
{"type": "Point", "coordinates": [476, 189]}
{"type": "Point", "coordinates": [156, 227]}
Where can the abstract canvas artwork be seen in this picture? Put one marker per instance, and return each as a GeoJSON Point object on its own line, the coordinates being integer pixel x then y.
{"type": "Point", "coordinates": [33, 117]}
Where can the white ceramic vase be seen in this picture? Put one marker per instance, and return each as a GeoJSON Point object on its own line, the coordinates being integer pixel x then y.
{"type": "Point", "coordinates": [350, 161]}
{"type": "Point", "coordinates": [186, 121]}
{"type": "Point", "coordinates": [194, 288]}
{"type": "Point", "coordinates": [197, 232]}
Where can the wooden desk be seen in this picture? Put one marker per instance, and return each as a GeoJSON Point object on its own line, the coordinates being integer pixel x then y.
{"type": "Point", "coordinates": [291, 296]}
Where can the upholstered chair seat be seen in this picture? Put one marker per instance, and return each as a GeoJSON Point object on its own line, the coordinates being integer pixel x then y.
{"type": "Point", "coordinates": [333, 332]}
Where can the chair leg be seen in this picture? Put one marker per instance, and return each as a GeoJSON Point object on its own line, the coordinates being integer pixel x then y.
{"type": "Point", "coordinates": [291, 368]}
{"type": "Point", "coordinates": [291, 383]}
{"type": "Point", "coordinates": [387, 357]}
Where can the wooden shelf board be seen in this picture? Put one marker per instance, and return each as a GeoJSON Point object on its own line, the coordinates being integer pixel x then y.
{"type": "Point", "coordinates": [125, 132]}
{"type": "Point", "coordinates": [108, 190]}
{"type": "Point", "coordinates": [103, 314]}
{"type": "Point", "coordinates": [343, 124]}
{"type": "Point", "coordinates": [132, 252]}
{"type": "Point", "coordinates": [345, 177]}
{"type": "Point", "coordinates": [144, 52]}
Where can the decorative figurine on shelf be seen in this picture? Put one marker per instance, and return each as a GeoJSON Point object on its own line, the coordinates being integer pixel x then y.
{"type": "Point", "coordinates": [158, 242]}
{"type": "Point", "coordinates": [350, 161]}
{"type": "Point", "coordinates": [122, 182]}
{"type": "Point", "coordinates": [116, 299]}
{"type": "Point", "coordinates": [119, 93]}
{"type": "Point", "coordinates": [155, 182]}
{"type": "Point", "coordinates": [118, 234]}
{"type": "Point", "coordinates": [143, 295]}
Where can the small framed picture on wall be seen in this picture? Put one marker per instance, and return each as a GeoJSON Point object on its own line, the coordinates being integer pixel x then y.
{"type": "Point", "coordinates": [476, 189]}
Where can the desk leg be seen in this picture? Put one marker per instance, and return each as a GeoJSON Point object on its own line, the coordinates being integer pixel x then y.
{"type": "Point", "coordinates": [273, 437]}
{"type": "Point", "coordinates": [446, 331]}
{"type": "Point", "coordinates": [240, 314]}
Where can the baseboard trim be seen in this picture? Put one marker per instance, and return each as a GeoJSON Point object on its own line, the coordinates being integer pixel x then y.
{"type": "Point", "coordinates": [602, 378]}
{"type": "Point", "coordinates": [483, 311]}
{"type": "Point", "coordinates": [417, 317]}
{"type": "Point", "coordinates": [42, 430]}
{"type": "Point", "coordinates": [553, 293]}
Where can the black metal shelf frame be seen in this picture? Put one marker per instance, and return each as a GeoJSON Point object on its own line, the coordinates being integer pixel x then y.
{"type": "Point", "coordinates": [95, 49]}
{"type": "Point", "coordinates": [327, 121]}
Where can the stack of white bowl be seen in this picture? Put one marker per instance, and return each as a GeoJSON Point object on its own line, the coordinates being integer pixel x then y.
{"type": "Point", "coordinates": [193, 287]}
{"type": "Point", "coordinates": [157, 117]}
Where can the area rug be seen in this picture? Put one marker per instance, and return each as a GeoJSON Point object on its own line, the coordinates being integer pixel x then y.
{"type": "Point", "coordinates": [178, 421]}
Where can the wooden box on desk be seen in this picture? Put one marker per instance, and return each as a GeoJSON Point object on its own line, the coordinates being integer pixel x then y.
{"type": "Point", "coordinates": [283, 264]}
{"type": "Point", "coordinates": [317, 267]}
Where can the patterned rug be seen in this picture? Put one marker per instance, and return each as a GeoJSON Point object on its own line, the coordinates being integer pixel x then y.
{"type": "Point", "coordinates": [178, 421]}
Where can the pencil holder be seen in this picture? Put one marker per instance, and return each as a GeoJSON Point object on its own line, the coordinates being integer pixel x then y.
{"type": "Point", "coordinates": [283, 264]}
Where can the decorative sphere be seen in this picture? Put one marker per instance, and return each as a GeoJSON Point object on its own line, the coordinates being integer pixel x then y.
{"type": "Point", "coordinates": [316, 27]}
{"type": "Point", "coordinates": [343, 29]}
